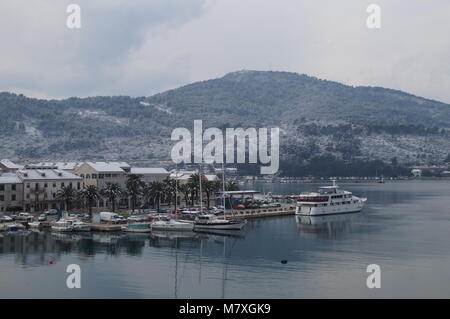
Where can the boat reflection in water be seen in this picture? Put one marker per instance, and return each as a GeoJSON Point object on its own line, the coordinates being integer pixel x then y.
{"type": "Point", "coordinates": [329, 226]}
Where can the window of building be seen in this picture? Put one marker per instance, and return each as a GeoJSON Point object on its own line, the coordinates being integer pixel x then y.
{"type": "Point", "coordinates": [54, 184]}
{"type": "Point", "coordinates": [94, 175]}
{"type": "Point", "coordinates": [2, 198]}
{"type": "Point", "coordinates": [45, 185]}
{"type": "Point", "coordinates": [13, 197]}
{"type": "Point", "coordinates": [2, 187]}
{"type": "Point", "coordinates": [101, 176]}
{"type": "Point", "coordinates": [88, 176]}
{"type": "Point", "coordinates": [13, 187]}
{"type": "Point", "coordinates": [28, 185]}
{"type": "Point", "coordinates": [62, 184]}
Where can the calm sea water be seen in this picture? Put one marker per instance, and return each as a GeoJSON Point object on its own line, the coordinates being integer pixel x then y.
{"type": "Point", "coordinates": [404, 228]}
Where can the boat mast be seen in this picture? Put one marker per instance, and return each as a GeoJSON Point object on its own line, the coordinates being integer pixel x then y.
{"type": "Point", "coordinates": [200, 183]}
{"type": "Point", "coordinates": [176, 189]}
{"type": "Point", "coordinates": [223, 190]}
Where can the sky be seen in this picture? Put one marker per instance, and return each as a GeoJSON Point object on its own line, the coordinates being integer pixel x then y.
{"type": "Point", "coordinates": [140, 47]}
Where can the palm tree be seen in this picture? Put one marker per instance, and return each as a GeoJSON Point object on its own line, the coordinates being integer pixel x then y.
{"type": "Point", "coordinates": [134, 186]}
{"type": "Point", "coordinates": [66, 195]}
{"type": "Point", "coordinates": [184, 189]}
{"type": "Point", "coordinates": [211, 187]}
{"type": "Point", "coordinates": [90, 194]}
{"type": "Point", "coordinates": [194, 186]}
{"type": "Point", "coordinates": [157, 189]}
{"type": "Point", "coordinates": [171, 188]}
{"type": "Point", "coordinates": [231, 185]}
{"type": "Point", "coordinates": [112, 191]}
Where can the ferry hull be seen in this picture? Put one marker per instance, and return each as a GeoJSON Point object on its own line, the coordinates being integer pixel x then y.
{"type": "Point", "coordinates": [329, 210]}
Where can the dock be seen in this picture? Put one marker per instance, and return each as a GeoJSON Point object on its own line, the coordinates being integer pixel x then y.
{"type": "Point", "coordinates": [263, 212]}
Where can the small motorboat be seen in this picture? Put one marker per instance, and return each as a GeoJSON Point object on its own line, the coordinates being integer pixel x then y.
{"type": "Point", "coordinates": [62, 226]}
{"type": "Point", "coordinates": [14, 227]}
{"type": "Point", "coordinates": [34, 225]}
{"type": "Point", "coordinates": [172, 224]}
{"type": "Point", "coordinates": [137, 228]}
{"type": "Point", "coordinates": [80, 226]}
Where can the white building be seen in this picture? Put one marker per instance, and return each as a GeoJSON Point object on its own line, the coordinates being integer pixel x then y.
{"type": "Point", "coordinates": [11, 190]}
{"type": "Point", "coordinates": [40, 187]}
{"type": "Point", "coordinates": [65, 166]}
{"type": "Point", "coordinates": [100, 173]}
{"type": "Point", "coordinates": [7, 166]}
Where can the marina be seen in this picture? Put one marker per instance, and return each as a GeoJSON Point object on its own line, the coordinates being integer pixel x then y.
{"type": "Point", "coordinates": [325, 256]}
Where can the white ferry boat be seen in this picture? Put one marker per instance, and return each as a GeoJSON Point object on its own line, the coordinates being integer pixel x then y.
{"type": "Point", "coordinates": [328, 200]}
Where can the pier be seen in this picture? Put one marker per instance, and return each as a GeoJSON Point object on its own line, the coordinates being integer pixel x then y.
{"type": "Point", "coordinates": [263, 212]}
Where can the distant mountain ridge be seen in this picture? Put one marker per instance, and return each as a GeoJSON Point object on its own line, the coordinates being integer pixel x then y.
{"type": "Point", "coordinates": [308, 110]}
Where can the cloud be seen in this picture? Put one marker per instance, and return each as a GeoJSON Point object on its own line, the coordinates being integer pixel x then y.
{"type": "Point", "coordinates": [142, 47]}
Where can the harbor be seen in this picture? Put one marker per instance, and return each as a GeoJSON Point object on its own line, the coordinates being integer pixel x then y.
{"type": "Point", "coordinates": [325, 255]}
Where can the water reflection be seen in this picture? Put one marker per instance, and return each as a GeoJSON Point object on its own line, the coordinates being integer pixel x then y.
{"type": "Point", "coordinates": [329, 226]}
{"type": "Point", "coordinates": [49, 246]}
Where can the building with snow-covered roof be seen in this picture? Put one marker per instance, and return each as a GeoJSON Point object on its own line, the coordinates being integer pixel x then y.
{"type": "Point", "coordinates": [11, 192]}
{"type": "Point", "coordinates": [41, 187]}
{"type": "Point", "coordinates": [65, 166]}
{"type": "Point", "coordinates": [7, 166]}
{"type": "Point", "coordinates": [150, 174]}
{"type": "Point", "coordinates": [100, 173]}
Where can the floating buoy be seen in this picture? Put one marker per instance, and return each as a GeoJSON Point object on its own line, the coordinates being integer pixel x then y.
{"type": "Point", "coordinates": [284, 261]}
{"type": "Point", "coordinates": [50, 262]}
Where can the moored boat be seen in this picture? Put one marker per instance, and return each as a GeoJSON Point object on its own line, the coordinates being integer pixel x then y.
{"type": "Point", "coordinates": [328, 200]}
{"type": "Point", "coordinates": [209, 221]}
{"type": "Point", "coordinates": [137, 228]}
{"type": "Point", "coordinates": [172, 225]}
{"type": "Point", "coordinates": [62, 226]}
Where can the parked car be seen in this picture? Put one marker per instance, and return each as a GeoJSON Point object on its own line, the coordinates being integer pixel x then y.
{"type": "Point", "coordinates": [25, 217]}
{"type": "Point", "coordinates": [51, 212]}
{"type": "Point", "coordinates": [239, 207]}
{"type": "Point", "coordinates": [5, 219]}
{"type": "Point", "coordinates": [42, 218]}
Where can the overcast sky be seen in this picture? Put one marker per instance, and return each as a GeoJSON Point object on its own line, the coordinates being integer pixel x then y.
{"type": "Point", "coordinates": [142, 47]}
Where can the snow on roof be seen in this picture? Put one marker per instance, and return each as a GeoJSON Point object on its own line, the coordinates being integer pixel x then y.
{"type": "Point", "coordinates": [37, 174]}
{"type": "Point", "coordinates": [10, 165]}
{"type": "Point", "coordinates": [57, 165]}
{"type": "Point", "coordinates": [211, 178]}
{"type": "Point", "coordinates": [9, 178]}
{"type": "Point", "coordinates": [115, 167]}
{"type": "Point", "coordinates": [149, 170]}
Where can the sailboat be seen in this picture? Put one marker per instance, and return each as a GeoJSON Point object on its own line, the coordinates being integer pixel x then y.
{"type": "Point", "coordinates": [173, 224]}
{"type": "Point", "coordinates": [210, 221]}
